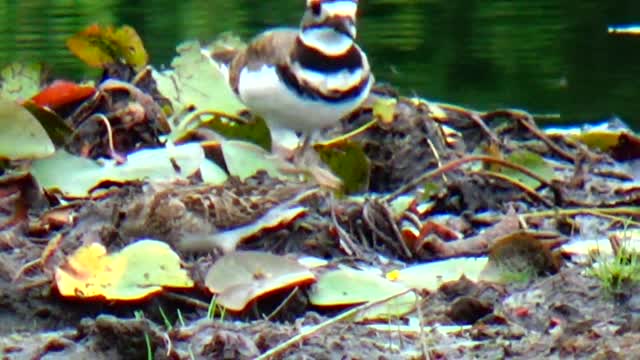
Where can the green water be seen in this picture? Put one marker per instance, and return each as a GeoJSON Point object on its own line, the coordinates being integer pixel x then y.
{"type": "Point", "coordinates": [543, 56]}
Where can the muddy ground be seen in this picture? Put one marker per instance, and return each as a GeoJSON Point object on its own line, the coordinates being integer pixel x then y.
{"type": "Point", "coordinates": [559, 312]}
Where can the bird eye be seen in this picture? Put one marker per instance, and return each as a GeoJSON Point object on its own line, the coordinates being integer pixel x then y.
{"type": "Point", "coordinates": [316, 7]}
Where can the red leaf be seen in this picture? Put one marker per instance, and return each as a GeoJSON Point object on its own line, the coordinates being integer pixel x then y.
{"type": "Point", "coordinates": [61, 93]}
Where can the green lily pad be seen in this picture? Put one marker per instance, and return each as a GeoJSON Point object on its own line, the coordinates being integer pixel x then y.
{"type": "Point", "coordinates": [21, 135]}
{"type": "Point", "coordinates": [431, 275]}
{"type": "Point", "coordinates": [244, 159]}
{"type": "Point", "coordinates": [196, 81]}
{"type": "Point", "coordinates": [351, 287]}
{"type": "Point", "coordinates": [75, 176]}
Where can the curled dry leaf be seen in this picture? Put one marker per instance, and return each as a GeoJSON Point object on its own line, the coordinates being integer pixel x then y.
{"type": "Point", "coordinates": [244, 276]}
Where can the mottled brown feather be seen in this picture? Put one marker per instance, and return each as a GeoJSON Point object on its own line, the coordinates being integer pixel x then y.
{"type": "Point", "coordinates": [273, 47]}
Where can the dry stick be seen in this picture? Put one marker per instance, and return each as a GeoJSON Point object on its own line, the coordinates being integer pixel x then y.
{"type": "Point", "coordinates": [480, 122]}
{"type": "Point", "coordinates": [456, 163]}
{"type": "Point", "coordinates": [527, 121]}
{"type": "Point", "coordinates": [185, 299]}
{"type": "Point", "coordinates": [117, 157]}
{"type": "Point", "coordinates": [282, 304]}
{"type": "Point", "coordinates": [531, 192]}
{"type": "Point", "coordinates": [314, 329]}
{"type": "Point", "coordinates": [608, 213]}
{"type": "Point", "coordinates": [396, 230]}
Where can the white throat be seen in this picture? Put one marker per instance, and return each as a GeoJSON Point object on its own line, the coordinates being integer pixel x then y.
{"type": "Point", "coordinates": [326, 40]}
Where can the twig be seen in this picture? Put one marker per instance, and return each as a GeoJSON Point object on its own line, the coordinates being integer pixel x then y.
{"type": "Point", "coordinates": [531, 192]}
{"type": "Point", "coordinates": [315, 329]}
{"type": "Point", "coordinates": [459, 162]}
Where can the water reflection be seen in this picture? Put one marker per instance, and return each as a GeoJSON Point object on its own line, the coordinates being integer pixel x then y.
{"type": "Point", "coordinates": [542, 56]}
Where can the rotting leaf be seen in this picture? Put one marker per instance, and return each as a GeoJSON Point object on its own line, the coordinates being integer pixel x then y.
{"type": "Point", "coordinates": [154, 164]}
{"type": "Point", "coordinates": [351, 287]}
{"type": "Point", "coordinates": [22, 136]}
{"type": "Point", "coordinates": [20, 81]}
{"type": "Point", "coordinates": [518, 257]}
{"type": "Point", "coordinates": [431, 275]}
{"type": "Point", "coordinates": [140, 269]}
{"type": "Point", "coordinates": [244, 276]}
{"type": "Point", "coordinates": [62, 93]}
{"type": "Point", "coordinates": [99, 46]}
{"type": "Point", "coordinates": [349, 162]}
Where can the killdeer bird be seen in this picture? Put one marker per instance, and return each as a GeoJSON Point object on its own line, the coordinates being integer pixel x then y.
{"type": "Point", "coordinates": [307, 78]}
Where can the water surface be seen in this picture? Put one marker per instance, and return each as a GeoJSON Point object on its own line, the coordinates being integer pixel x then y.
{"type": "Point", "coordinates": [543, 56]}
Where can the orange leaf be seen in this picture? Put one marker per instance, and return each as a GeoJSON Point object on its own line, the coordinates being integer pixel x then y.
{"type": "Point", "coordinates": [61, 93]}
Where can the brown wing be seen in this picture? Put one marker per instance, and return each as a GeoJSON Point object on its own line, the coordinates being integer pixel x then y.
{"type": "Point", "coordinates": [273, 47]}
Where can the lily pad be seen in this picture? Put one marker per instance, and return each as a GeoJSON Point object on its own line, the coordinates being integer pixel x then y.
{"type": "Point", "coordinates": [351, 287]}
{"type": "Point", "coordinates": [244, 276]}
{"type": "Point", "coordinates": [75, 176]}
{"type": "Point", "coordinates": [22, 136]}
{"type": "Point", "coordinates": [244, 159]}
{"type": "Point", "coordinates": [196, 81]}
{"type": "Point", "coordinates": [431, 275]}
{"type": "Point", "coordinates": [138, 270]}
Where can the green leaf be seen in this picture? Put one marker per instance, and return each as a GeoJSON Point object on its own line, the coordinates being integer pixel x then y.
{"type": "Point", "coordinates": [350, 163]}
{"type": "Point", "coordinates": [21, 135]}
{"type": "Point", "coordinates": [430, 276]}
{"type": "Point", "coordinates": [244, 159]}
{"type": "Point", "coordinates": [196, 81]}
{"type": "Point", "coordinates": [532, 161]}
{"type": "Point", "coordinates": [154, 164]}
{"type": "Point", "coordinates": [256, 132]}
{"type": "Point", "coordinates": [53, 124]}
{"type": "Point", "coordinates": [350, 287]}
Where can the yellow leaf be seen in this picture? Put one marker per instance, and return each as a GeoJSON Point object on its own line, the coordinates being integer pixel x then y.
{"type": "Point", "coordinates": [138, 270]}
{"type": "Point", "coordinates": [384, 109]}
{"type": "Point", "coordinates": [100, 46]}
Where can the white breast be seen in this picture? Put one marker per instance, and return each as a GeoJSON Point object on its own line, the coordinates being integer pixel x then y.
{"type": "Point", "coordinates": [263, 92]}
